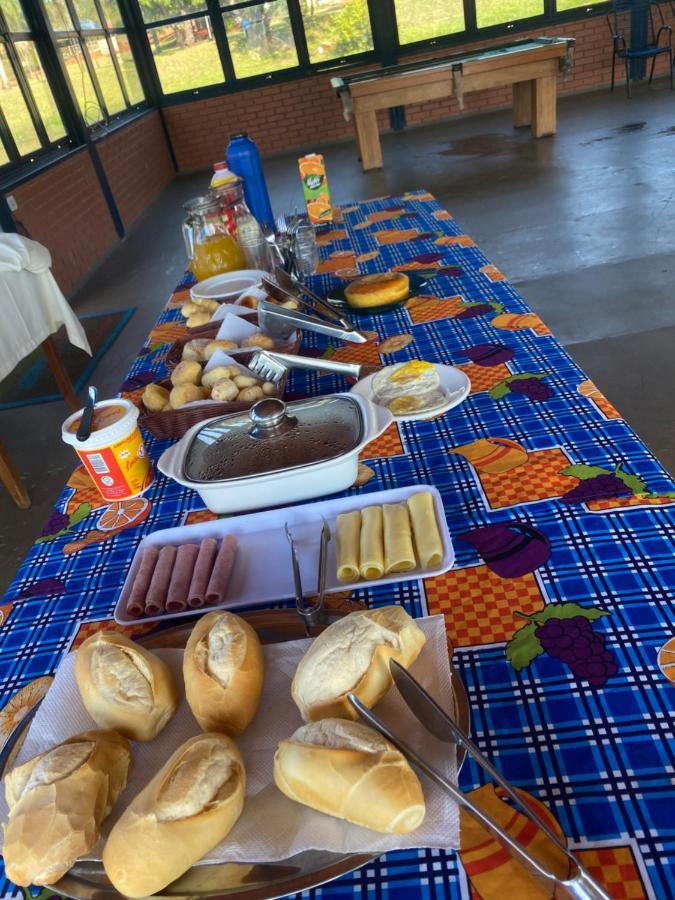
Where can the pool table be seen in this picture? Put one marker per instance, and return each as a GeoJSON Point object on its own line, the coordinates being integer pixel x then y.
{"type": "Point", "coordinates": [531, 65]}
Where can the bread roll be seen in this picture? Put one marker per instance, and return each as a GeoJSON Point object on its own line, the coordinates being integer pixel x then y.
{"type": "Point", "coordinates": [217, 373]}
{"type": "Point", "coordinates": [194, 349]}
{"type": "Point", "coordinates": [57, 801]}
{"type": "Point", "coordinates": [155, 397]}
{"type": "Point", "coordinates": [186, 372]}
{"type": "Point", "coordinates": [378, 289]}
{"type": "Point", "coordinates": [188, 309]}
{"type": "Point", "coordinates": [224, 389]}
{"type": "Point", "coordinates": [250, 394]}
{"type": "Point", "coordinates": [205, 305]}
{"type": "Point", "coordinates": [258, 339]}
{"type": "Point", "coordinates": [198, 318]}
{"type": "Point", "coordinates": [186, 393]}
{"type": "Point", "coordinates": [353, 655]}
{"type": "Point", "coordinates": [223, 670]}
{"type": "Point", "coordinates": [189, 806]}
{"type": "Point", "coordinates": [213, 346]}
{"type": "Point", "coordinates": [269, 388]}
{"type": "Point", "coordinates": [348, 770]}
{"type": "Point", "coordinates": [124, 686]}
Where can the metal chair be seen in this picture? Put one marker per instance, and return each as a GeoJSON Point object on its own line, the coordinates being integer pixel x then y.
{"type": "Point", "coordinates": [621, 22]}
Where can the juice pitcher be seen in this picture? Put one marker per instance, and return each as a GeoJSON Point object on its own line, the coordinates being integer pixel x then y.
{"type": "Point", "coordinates": [210, 245]}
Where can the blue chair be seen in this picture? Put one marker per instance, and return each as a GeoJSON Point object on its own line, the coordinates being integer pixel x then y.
{"type": "Point", "coordinates": [657, 38]}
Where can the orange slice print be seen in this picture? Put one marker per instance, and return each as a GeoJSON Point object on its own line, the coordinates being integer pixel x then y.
{"type": "Point", "coordinates": [123, 514]}
{"type": "Point", "coordinates": [666, 660]}
{"type": "Point", "coordinates": [18, 706]}
{"type": "Point", "coordinates": [394, 235]}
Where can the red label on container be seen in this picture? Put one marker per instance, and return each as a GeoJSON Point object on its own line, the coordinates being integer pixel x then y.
{"type": "Point", "coordinates": [120, 471]}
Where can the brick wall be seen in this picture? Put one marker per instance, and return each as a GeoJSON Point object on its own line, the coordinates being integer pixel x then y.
{"type": "Point", "coordinates": [303, 114]}
{"type": "Point", "coordinates": [137, 164]}
{"type": "Point", "coordinates": [64, 207]}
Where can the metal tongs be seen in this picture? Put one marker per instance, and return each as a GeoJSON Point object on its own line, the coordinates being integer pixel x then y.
{"type": "Point", "coordinates": [314, 613]}
{"type": "Point", "coordinates": [437, 722]}
{"type": "Point", "coordinates": [272, 366]}
{"type": "Point", "coordinates": [280, 322]}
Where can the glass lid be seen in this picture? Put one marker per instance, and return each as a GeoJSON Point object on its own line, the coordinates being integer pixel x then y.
{"type": "Point", "coordinates": [273, 437]}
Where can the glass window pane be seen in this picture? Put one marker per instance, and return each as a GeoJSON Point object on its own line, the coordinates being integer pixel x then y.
{"type": "Point", "coordinates": [498, 12]}
{"type": "Point", "coordinates": [87, 14]}
{"type": "Point", "coordinates": [44, 99]}
{"type": "Point", "coordinates": [562, 5]}
{"type": "Point", "coordinates": [186, 55]}
{"type": "Point", "coordinates": [439, 17]}
{"type": "Point", "coordinates": [106, 74]}
{"type": "Point", "coordinates": [155, 10]}
{"type": "Point", "coordinates": [59, 15]}
{"type": "Point", "coordinates": [128, 67]}
{"type": "Point", "coordinates": [14, 15]}
{"type": "Point", "coordinates": [15, 109]}
{"type": "Point", "coordinates": [80, 81]}
{"type": "Point", "coordinates": [260, 39]}
{"type": "Point", "coordinates": [4, 158]}
{"type": "Point", "coordinates": [111, 11]}
{"type": "Point", "coordinates": [338, 29]}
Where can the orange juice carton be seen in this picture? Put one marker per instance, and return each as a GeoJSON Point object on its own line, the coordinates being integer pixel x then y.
{"type": "Point", "coordinates": [315, 188]}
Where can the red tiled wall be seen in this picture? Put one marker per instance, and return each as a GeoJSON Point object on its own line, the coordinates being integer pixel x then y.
{"type": "Point", "coordinates": [137, 163]}
{"type": "Point", "coordinates": [303, 114]}
{"type": "Point", "coordinates": [64, 208]}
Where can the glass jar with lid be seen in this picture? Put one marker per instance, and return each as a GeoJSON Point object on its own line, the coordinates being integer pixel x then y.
{"type": "Point", "coordinates": [210, 238]}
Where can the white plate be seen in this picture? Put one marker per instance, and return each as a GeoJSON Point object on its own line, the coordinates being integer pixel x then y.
{"type": "Point", "coordinates": [262, 570]}
{"type": "Point", "coordinates": [453, 382]}
{"type": "Point", "coordinates": [228, 285]}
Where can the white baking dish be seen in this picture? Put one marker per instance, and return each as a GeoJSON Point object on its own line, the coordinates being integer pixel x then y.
{"type": "Point", "coordinates": [285, 485]}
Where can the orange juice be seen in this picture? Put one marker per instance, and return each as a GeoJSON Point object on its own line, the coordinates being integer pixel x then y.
{"type": "Point", "coordinates": [315, 188]}
{"type": "Point", "coordinates": [217, 253]}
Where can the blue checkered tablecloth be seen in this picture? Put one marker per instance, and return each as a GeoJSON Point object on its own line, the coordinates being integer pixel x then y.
{"type": "Point", "coordinates": [600, 756]}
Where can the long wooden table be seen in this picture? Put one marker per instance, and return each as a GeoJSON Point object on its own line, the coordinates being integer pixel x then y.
{"type": "Point", "coordinates": [530, 65]}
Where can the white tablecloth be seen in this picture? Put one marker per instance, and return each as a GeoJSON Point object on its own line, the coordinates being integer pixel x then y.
{"type": "Point", "coordinates": [31, 304]}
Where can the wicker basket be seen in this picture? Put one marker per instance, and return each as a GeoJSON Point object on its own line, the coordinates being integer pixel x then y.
{"type": "Point", "coordinates": [173, 423]}
{"type": "Point", "coordinates": [175, 352]}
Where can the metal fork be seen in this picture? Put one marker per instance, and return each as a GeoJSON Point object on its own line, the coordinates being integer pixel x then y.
{"type": "Point", "coordinates": [272, 366]}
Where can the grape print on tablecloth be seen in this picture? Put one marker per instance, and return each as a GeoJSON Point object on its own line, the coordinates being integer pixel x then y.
{"type": "Point", "coordinates": [527, 384]}
{"type": "Point", "coordinates": [564, 631]}
{"type": "Point", "coordinates": [489, 354]}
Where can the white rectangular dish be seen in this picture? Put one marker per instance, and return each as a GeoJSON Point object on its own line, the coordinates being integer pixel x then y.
{"type": "Point", "coordinates": [262, 570]}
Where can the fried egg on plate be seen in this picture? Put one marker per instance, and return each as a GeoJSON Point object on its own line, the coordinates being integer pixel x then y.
{"type": "Point", "coordinates": [408, 387]}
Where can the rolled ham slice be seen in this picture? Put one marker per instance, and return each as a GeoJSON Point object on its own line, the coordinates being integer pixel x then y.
{"type": "Point", "coordinates": [139, 588]}
{"type": "Point", "coordinates": [155, 600]}
{"type": "Point", "coordinates": [183, 570]}
{"type": "Point", "coordinates": [206, 557]}
{"type": "Point", "coordinates": [222, 571]}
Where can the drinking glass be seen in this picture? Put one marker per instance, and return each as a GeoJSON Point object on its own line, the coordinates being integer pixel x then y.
{"type": "Point", "coordinates": [306, 250]}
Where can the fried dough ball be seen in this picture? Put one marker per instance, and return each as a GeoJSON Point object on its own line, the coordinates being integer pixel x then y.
{"type": "Point", "coordinates": [185, 393]}
{"type": "Point", "coordinates": [212, 346]}
{"type": "Point", "coordinates": [187, 372]}
{"type": "Point", "coordinates": [258, 339]}
{"type": "Point", "coordinates": [203, 303]}
{"type": "Point", "coordinates": [216, 374]}
{"type": "Point", "coordinates": [155, 397]}
{"type": "Point", "coordinates": [194, 350]}
{"type": "Point", "coordinates": [224, 390]}
{"type": "Point", "coordinates": [244, 381]}
{"type": "Point", "coordinates": [198, 318]}
{"type": "Point", "coordinates": [250, 394]}
{"type": "Point", "coordinates": [188, 308]}
{"type": "Point", "coordinates": [269, 388]}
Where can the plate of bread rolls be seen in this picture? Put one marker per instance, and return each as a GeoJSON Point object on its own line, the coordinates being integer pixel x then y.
{"type": "Point", "coordinates": [143, 803]}
{"type": "Point", "coordinates": [379, 538]}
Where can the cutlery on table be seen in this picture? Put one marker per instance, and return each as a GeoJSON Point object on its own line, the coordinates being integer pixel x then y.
{"type": "Point", "coordinates": [311, 614]}
{"type": "Point", "coordinates": [293, 285]}
{"type": "Point", "coordinates": [438, 723]}
{"type": "Point", "coordinates": [281, 321]}
{"type": "Point", "coordinates": [84, 429]}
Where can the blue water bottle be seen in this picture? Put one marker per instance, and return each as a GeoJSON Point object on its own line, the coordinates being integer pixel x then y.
{"type": "Point", "coordinates": [243, 159]}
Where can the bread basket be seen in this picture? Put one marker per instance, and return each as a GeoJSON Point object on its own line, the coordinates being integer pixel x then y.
{"type": "Point", "coordinates": [208, 332]}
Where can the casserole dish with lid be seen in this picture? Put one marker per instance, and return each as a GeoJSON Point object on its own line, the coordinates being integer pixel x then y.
{"type": "Point", "coordinates": [275, 453]}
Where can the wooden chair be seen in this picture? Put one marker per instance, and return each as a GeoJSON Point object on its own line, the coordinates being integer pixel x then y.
{"type": "Point", "coordinates": [657, 40]}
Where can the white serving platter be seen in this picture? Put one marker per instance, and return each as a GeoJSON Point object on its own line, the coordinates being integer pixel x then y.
{"type": "Point", "coordinates": [227, 285]}
{"type": "Point", "coordinates": [453, 382]}
{"type": "Point", "coordinates": [262, 570]}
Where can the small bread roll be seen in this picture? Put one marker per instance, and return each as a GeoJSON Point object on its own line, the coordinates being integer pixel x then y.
{"type": "Point", "coordinates": [269, 388]}
{"type": "Point", "coordinates": [198, 318]}
{"type": "Point", "coordinates": [250, 394]}
{"type": "Point", "coordinates": [348, 770]}
{"type": "Point", "coordinates": [225, 389]}
{"type": "Point", "coordinates": [186, 372]}
{"type": "Point", "coordinates": [188, 309]}
{"type": "Point", "coordinates": [258, 339]}
{"type": "Point", "coordinates": [352, 655]}
{"type": "Point", "coordinates": [223, 670]}
{"type": "Point", "coordinates": [57, 801]}
{"type": "Point", "coordinates": [217, 373]}
{"type": "Point", "coordinates": [186, 393]}
{"type": "Point", "coordinates": [206, 305]}
{"type": "Point", "coordinates": [194, 350]}
{"type": "Point", "coordinates": [124, 686]}
{"type": "Point", "coordinates": [249, 301]}
{"type": "Point", "coordinates": [186, 809]}
{"type": "Point", "coordinates": [243, 381]}
{"type": "Point", "coordinates": [212, 346]}
{"type": "Point", "coordinates": [155, 397]}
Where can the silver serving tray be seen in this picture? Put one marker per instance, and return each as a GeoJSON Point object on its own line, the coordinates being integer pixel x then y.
{"type": "Point", "coordinates": [255, 881]}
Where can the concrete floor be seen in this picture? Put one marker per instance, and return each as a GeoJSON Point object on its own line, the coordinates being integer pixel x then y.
{"type": "Point", "coordinates": [580, 224]}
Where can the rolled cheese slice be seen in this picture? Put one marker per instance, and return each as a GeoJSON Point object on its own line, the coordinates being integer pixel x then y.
{"type": "Point", "coordinates": [348, 770]}
{"type": "Point", "coordinates": [399, 553]}
{"type": "Point", "coordinates": [353, 654]}
{"type": "Point", "coordinates": [347, 537]}
{"type": "Point", "coordinates": [189, 806]}
{"type": "Point", "coordinates": [425, 528]}
{"type": "Point", "coordinates": [124, 686]}
{"type": "Point", "coordinates": [223, 670]}
{"type": "Point", "coordinates": [371, 555]}
{"type": "Point", "coordinates": [57, 801]}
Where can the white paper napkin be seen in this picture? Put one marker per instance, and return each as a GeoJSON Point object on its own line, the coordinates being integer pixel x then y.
{"type": "Point", "coordinates": [272, 827]}
{"type": "Point", "coordinates": [234, 328]}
